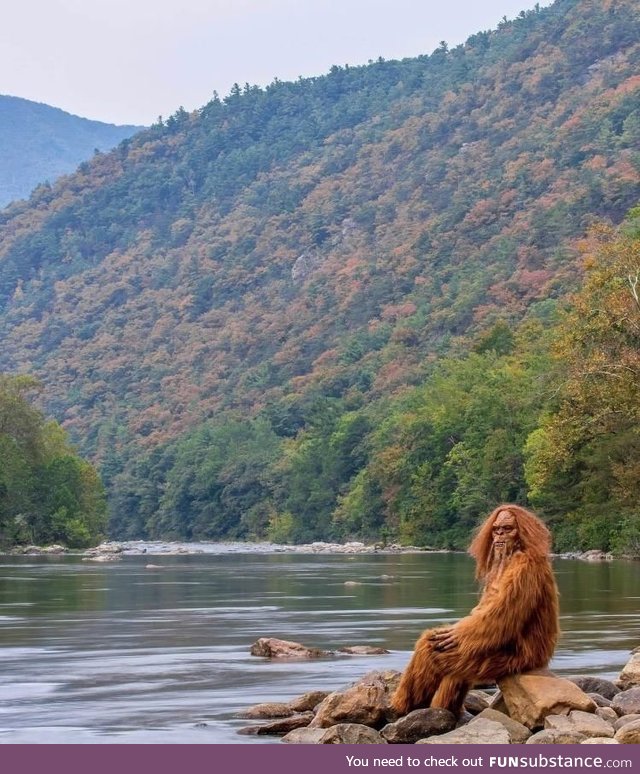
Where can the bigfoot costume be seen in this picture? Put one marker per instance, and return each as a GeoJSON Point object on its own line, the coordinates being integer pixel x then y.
{"type": "Point", "coordinates": [513, 628]}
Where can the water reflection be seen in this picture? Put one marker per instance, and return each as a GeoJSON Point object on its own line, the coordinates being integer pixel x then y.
{"type": "Point", "coordinates": [122, 653]}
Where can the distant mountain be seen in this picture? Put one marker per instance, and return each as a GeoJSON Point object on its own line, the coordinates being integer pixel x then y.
{"type": "Point", "coordinates": [39, 143]}
{"type": "Point", "coordinates": [301, 253]}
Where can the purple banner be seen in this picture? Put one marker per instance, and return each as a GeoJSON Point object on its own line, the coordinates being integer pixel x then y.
{"type": "Point", "coordinates": [311, 759]}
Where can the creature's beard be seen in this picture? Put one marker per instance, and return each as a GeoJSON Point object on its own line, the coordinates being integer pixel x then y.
{"type": "Point", "coordinates": [500, 558]}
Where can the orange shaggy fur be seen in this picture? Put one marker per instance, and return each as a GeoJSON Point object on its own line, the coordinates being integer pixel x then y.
{"type": "Point", "coordinates": [514, 627]}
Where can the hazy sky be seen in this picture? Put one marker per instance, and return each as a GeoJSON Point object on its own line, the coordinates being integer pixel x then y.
{"type": "Point", "coordinates": [128, 61]}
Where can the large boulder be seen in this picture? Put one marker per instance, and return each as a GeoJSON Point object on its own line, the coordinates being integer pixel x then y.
{"type": "Point", "coordinates": [630, 675]}
{"type": "Point", "coordinates": [308, 701]}
{"type": "Point", "coordinates": [304, 736]}
{"type": "Point", "coordinates": [419, 724]}
{"type": "Point", "coordinates": [627, 702]}
{"type": "Point", "coordinates": [531, 696]}
{"type": "Point", "coordinates": [477, 732]}
{"type": "Point", "coordinates": [271, 647]}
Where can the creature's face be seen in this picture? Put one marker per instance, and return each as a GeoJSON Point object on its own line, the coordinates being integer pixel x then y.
{"type": "Point", "coordinates": [505, 533]}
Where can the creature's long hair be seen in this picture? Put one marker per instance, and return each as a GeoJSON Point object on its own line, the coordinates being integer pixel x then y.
{"type": "Point", "coordinates": [535, 538]}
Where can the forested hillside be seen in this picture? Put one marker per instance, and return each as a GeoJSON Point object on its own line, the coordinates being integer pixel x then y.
{"type": "Point", "coordinates": [332, 308]}
{"type": "Point", "coordinates": [38, 143]}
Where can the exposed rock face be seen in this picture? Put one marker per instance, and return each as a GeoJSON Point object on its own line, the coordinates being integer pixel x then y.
{"type": "Point", "coordinates": [530, 697]}
{"type": "Point", "coordinates": [629, 733]}
{"type": "Point", "coordinates": [630, 675]}
{"type": "Point", "coordinates": [271, 647]}
{"type": "Point", "coordinates": [627, 702]}
{"type": "Point", "coordinates": [518, 733]}
{"type": "Point", "coordinates": [478, 732]}
{"type": "Point", "coordinates": [591, 684]}
{"type": "Point", "coordinates": [419, 724]}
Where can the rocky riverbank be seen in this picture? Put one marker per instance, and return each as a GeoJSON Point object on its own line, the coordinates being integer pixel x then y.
{"type": "Point", "coordinates": [114, 550]}
{"type": "Point", "coordinates": [534, 708]}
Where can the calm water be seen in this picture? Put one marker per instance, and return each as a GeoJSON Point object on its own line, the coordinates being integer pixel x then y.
{"type": "Point", "coordinates": [121, 653]}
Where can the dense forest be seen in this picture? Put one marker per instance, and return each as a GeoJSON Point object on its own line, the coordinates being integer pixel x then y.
{"type": "Point", "coordinates": [369, 304]}
{"type": "Point", "coordinates": [39, 143]}
{"type": "Point", "coordinates": [47, 493]}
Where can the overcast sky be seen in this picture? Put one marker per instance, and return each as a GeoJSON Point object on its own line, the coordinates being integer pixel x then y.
{"type": "Point", "coordinates": [129, 61]}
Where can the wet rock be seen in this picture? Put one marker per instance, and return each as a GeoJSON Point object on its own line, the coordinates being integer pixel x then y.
{"type": "Point", "coordinates": [351, 733]}
{"type": "Point", "coordinates": [308, 701]}
{"type": "Point", "coordinates": [477, 732]}
{"type": "Point", "coordinates": [419, 724]}
{"type": "Point", "coordinates": [271, 709]}
{"type": "Point", "coordinates": [279, 727]}
{"type": "Point", "coordinates": [102, 558]}
{"type": "Point", "coordinates": [627, 702]}
{"type": "Point", "coordinates": [591, 684]}
{"type": "Point", "coordinates": [271, 647]}
{"type": "Point", "coordinates": [629, 733]}
{"type": "Point", "coordinates": [531, 696]}
{"type": "Point", "coordinates": [518, 733]}
{"type": "Point", "coordinates": [363, 650]}
{"type": "Point", "coordinates": [630, 675]}
{"type": "Point", "coordinates": [556, 736]}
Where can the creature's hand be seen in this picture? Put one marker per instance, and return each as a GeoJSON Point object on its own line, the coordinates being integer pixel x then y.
{"type": "Point", "coordinates": [445, 639]}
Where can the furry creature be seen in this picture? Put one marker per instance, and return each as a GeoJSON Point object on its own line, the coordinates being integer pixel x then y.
{"type": "Point", "coordinates": [514, 627]}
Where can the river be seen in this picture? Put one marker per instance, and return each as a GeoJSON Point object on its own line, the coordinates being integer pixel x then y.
{"type": "Point", "coordinates": [127, 653]}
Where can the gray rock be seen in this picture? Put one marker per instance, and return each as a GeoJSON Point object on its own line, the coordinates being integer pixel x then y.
{"type": "Point", "coordinates": [476, 701]}
{"type": "Point", "coordinates": [589, 724]}
{"type": "Point", "coordinates": [591, 684]}
{"type": "Point", "coordinates": [624, 720]}
{"type": "Point", "coordinates": [599, 700]}
{"type": "Point", "coordinates": [304, 736]}
{"type": "Point", "coordinates": [478, 732]}
{"type": "Point", "coordinates": [363, 650]}
{"type": "Point", "coordinates": [627, 702]}
{"type": "Point", "coordinates": [556, 736]}
{"type": "Point", "coordinates": [518, 733]}
{"type": "Point", "coordinates": [351, 733]}
{"type": "Point", "coordinates": [419, 724]}
{"type": "Point", "coordinates": [629, 733]}
{"type": "Point", "coordinates": [607, 713]}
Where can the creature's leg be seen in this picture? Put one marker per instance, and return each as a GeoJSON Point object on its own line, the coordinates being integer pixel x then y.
{"type": "Point", "coordinates": [451, 693]}
{"type": "Point", "coordinates": [420, 679]}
